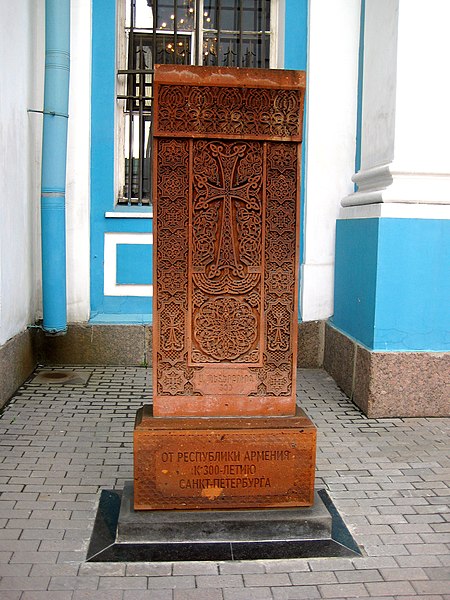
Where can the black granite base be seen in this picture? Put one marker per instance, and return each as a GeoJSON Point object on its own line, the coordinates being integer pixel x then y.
{"type": "Point", "coordinates": [123, 535]}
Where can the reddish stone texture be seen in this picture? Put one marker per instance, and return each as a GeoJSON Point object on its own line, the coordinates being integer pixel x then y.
{"type": "Point", "coordinates": [339, 358]}
{"type": "Point", "coordinates": [311, 342]}
{"type": "Point", "coordinates": [215, 463]}
{"type": "Point", "coordinates": [389, 384]}
{"type": "Point", "coordinates": [402, 384]}
{"type": "Point", "coordinates": [226, 225]}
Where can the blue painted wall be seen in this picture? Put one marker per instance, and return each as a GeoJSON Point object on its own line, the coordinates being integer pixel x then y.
{"type": "Point", "coordinates": [355, 278]}
{"type": "Point", "coordinates": [392, 283]}
{"type": "Point", "coordinates": [133, 265]}
{"type": "Point", "coordinates": [109, 308]}
{"type": "Point", "coordinates": [296, 35]}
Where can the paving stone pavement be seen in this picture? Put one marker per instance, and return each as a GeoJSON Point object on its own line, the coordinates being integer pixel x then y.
{"type": "Point", "coordinates": [62, 444]}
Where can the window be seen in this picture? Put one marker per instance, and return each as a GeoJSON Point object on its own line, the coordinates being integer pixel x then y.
{"type": "Point", "coordinates": [229, 33]}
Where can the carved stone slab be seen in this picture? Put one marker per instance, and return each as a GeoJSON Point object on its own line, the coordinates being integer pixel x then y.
{"type": "Point", "coordinates": [223, 463]}
{"type": "Point", "coordinates": [226, 189]}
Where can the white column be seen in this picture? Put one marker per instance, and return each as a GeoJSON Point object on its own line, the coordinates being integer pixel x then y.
{"type": "Point", "coordinates": [405, 155]}
{"type": "Point", "coordinates": [78, 164]}
{"type": "Point", "coordinates": [330, 147]}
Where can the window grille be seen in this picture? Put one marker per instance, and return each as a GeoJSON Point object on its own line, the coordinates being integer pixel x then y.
{"type": "Point", "coordinates": [229, 33]}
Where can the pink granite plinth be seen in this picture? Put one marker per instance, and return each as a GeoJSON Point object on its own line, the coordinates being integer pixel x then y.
{"type": "Point", "coordinates": [339, 358]}
{"type": "Point", "coordinates": [389, 384]}
{"type": "Point", "coordinates": [402, 384]}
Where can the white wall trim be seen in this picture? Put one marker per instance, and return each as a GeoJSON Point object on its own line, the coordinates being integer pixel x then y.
{"type": "Point", "coordinates": [111, 287]}
{"type": "Point", "coordinates": [395, 210]}
{"type": "Point", "coordinates": [78, 164]}
{"type": "Point", "coordinates": [128, 215]}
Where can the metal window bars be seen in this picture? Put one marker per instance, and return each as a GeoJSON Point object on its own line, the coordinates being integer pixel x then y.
{"type": "Point", "coordinates": [203, 32]}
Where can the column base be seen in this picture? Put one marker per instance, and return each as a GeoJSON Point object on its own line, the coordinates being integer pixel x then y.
{"type": "Point", "coordinates": [388, 384]}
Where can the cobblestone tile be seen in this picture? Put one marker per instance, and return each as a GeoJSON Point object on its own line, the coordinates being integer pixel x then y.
{"type": "Point", "coordinates": [432, 587]}
{"type": "Point", "coordinates": [195, 568]}
{"type": "Point", "coordinates": [73, 583]}
{"type": "Point", "coordinates": [296, 593]}
{"type": "Point", "coordinates": [374, 562]}
{"type": "Point", "coordinates": [34, 557]}
{"type": "Point", "coordinates": [148, 595]}
{"type": "Point", "coordinates": [241, 567]}
{"type": "Point", "coordinates": [331, 564]}
{"type": "Point", "coordinates": [390, 588]}
{"type": "Point", "coordinates": [59, 595]}
{"type": "Point", "coordinates": [362, 576]}
{"type": "Point", "coordinates": [258, 593]}
{"type": "Point", "coordinates": [220, 581]}
{"type": "Point", "coordinates": [389, 477]}
{"type": "Point", "coordinates": [15, 570]}
{"type": "Point", "coordinates": [54, 570]}
{"type": "Point", "coordinates": [97, 595]}
{"type": "Point", "coordinates": [123, 583]}
{"type": "Point", "coordinates": [283, 566]}
{"type": "Point", "coordinates": [204, 594]}
{"type": "Point", "coordinates": [427, 549]}
{"type": "Point", "coordinates": [403, 574]}
{"type": "Point", "coordinates": [267, 580]}
{"type": "Point", "coordinates": [314, 578]}
{"type": "Point", "coordinates": [181, 582]}
{"type": "Point", "coordinates": [24, 583]}
{"type": "Point", "coordinates": [149, 569]}
{"type": "Point", "coordinates": [438, 573]}
{"type": "Point", "coordinates": [345, 590]}
{"type": "Point", "coordinates": [426, 560]}
{"type": "Point", "coordinates": [106, 569]}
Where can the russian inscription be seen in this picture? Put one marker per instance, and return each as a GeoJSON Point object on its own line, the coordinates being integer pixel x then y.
{"type": "Point", "coordinates": [253, 468]}
{"type": "Point", "coordinates": [200, 464]}
{"type": "Point", "coordinates": [223, 381]}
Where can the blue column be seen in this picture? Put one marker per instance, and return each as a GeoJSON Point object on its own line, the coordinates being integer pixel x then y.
{"type": "Point", "coordinates": [54, 149]}
{"type": "Point", "coordinates": [296, 35]}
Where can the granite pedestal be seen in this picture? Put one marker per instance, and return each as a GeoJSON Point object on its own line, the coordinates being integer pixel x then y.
{"type": "Point", "coordinates": [124, 534]}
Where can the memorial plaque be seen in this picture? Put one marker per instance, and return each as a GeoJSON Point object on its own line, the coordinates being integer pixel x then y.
{"type": "Point", "coordinates": [226, 224]}
{"type": "Point", "coordinates": [224, 431]}
{"type": "Point", "coordinates": [223, 463]}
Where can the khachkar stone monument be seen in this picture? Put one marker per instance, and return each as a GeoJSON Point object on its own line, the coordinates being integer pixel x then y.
{"type": "Point", "coordinates": [224, 431]}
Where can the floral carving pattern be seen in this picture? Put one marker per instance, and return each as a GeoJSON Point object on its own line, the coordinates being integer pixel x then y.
{"type": "Point", "coordinates": [172, 252]}
{"type": "Point", "coordinates": [222, 110]}
{"type": "Point", "coordinates": [225, 328]}
{"type": "Point", "coordinates": [280, 260]}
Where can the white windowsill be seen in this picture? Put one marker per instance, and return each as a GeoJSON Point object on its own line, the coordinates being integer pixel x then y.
{"type": "Point", "coordinates": [128, 215]}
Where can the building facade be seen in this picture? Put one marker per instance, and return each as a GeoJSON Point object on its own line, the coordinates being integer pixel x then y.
{"type": "Point", "coordinates": [375, 237]}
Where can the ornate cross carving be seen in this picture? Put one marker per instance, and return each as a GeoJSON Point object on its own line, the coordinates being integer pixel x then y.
{"type": "Point", "coordinates": [223, 187]}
